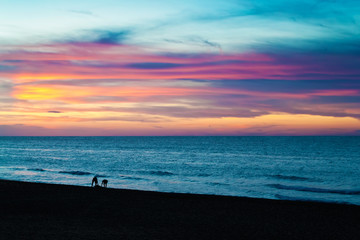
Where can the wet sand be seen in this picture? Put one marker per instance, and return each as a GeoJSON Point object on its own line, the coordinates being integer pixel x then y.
{"type": "Point", "coordinates": [49, 211]}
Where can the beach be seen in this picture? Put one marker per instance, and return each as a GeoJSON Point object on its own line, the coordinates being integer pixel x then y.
{"type": "Point", "coordinates": [51, 211]}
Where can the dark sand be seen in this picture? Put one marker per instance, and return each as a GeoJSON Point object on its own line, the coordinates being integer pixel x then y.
{"type": "Point", "coordinates": [47, 211]}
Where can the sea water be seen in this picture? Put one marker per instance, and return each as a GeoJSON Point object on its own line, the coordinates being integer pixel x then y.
{"type": "Point", "coordinates": [297, 168]}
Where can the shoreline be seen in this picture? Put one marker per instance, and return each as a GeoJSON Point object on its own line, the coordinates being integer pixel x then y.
{"type": "Point", "coordinates": [284, 198]}
{"type": "Point", "coordinates": [43, 211]}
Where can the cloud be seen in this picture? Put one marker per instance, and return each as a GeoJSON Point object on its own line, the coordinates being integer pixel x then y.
{"type": "Point", "coordinates": [319, 46]}
{"type": "Point", "coordinates": [104, 99]}
{"type": "Point", "coordinates": [134, 80]}
{"type": "Point", "coordinates": [308, 10]}
{"type": "Point", "coordinates": [133, 118]}
{"type": "Point", "coordinates": [54, 112]}
{"type": "Point", "coordinates": [337, 99]}
{"type": "Point", "coordinates": [111, 37]}
{"type": "Point", "coordinates": [82, 12]}
{"type": "Point", "coordinates": [312, 106]}
{"type": "Point", "coordinates": [191, 112]}
{"type": "Point", "coordinates": [212, 44]}
{"type": "Point", "coordinates": [286, 86]}
{"type": "Point", "coordinates": [326, 26]}
{"type": "Point", "coordinates": [6, 87]}
{"type": "Point", "coordinates": [204, 42]}
{"type": "Point", "coordinates": [153, 65]}
{"type": "Point", "coordinates": [173, 41]}
{"type": "Point", "coordinates": [98, 36]}
{"type": "Point", "coordinates": [21, 130]}
{"type": "Point", "coordinates": [6, 68]}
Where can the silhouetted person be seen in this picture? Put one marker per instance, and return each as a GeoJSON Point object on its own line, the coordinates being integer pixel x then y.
{"type": "Point", "coordinates": [94, 181]}
{"type": "Point", "coordinates": [104, 183]}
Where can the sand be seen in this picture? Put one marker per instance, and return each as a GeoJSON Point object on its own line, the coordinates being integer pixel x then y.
{"type": "Point", "coordinates": [49, 211]}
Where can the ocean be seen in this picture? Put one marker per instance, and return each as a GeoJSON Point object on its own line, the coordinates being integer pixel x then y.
{"type": "Point", "coordinates": [325, 169]}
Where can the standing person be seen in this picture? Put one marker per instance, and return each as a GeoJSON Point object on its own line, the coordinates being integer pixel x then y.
{"type": "Point", "coordinates": [94, 181]}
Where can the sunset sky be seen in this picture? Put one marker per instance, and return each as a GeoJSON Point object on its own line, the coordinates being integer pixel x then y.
{"type": "Point", "coordinates": [267, 67]}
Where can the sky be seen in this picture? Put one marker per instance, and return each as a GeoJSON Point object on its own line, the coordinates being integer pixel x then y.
{"type": "Point", "coordinates": [160, 68]}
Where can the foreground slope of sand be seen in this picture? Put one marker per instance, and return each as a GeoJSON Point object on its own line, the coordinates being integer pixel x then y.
{"type": "Point", "coordinates": [47, 211]}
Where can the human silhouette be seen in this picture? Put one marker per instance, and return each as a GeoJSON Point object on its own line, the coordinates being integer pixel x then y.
{"type": "Point", "coordinates": [94, 181]}
{"type": "Point", "coordinates": [104, 183]}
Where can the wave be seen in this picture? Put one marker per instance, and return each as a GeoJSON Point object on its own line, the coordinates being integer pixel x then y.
{"type": "Point", "coordinates": [315, 190]}
{"type": "Point", "coordinates": [17, 168]}
{"type": "Point", "coordinates": [283, 197]}
{"type": "Point", "coordinates": [218, 184]}
{"type": "Point", "coordinates": [132, 178]}
{"type": "Point", "coordinates": [204, 175]}
{"type": "Point", "coordinates": [79, 173]}
{"type": "Point", "coordinates": [37, 169]}
{"type": "Point", "coordinates": [76, 172]}
{"type": "Point", "coordinates": [295, 178]}
{"type": "Point", "coordinates": [162, 173]}
{"type": "Point", "coordinates": [158, 173]}
{"type": "Point", "coordinates": [97, 175]}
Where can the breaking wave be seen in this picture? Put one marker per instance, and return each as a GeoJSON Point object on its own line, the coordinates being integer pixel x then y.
{"type": "Point", "coordinates": [295, 178]}
{"type": "Point", "coordinates": [37, 169]}
{"type": "Point", "coordinates": [316, 190]}
{"type": "Point", "coordinates": [79, 173]}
